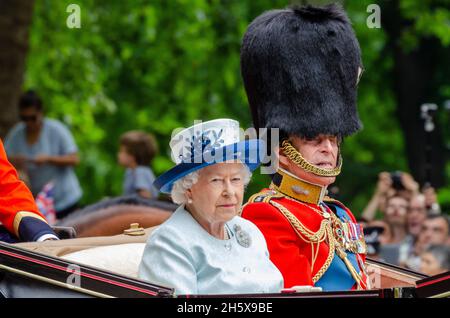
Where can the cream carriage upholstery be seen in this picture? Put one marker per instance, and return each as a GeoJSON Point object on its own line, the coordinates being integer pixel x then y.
{"type": "Point", "coordinates": [122, 258]}
{"type": "Point", "coordinates": [120, 254]}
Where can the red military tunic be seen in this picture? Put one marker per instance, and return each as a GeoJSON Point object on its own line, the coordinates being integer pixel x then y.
{"type": "Point", "coordinates": [300, 262]}
{"type": "Point", "coordinates": [18, 210]}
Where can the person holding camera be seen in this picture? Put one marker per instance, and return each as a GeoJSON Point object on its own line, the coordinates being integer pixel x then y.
{"type": "Point", "coordinates": [417, 214]}
{"type": "Point", "coordinates": [389, 184]}
{"type": "Point", "coordinates": [395, 216]}
{"type": "Point", "coordinates": [394, 193]}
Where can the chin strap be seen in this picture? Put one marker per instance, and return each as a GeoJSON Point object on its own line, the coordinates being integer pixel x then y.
{"type": "Point", "coordinates": [301, 162]}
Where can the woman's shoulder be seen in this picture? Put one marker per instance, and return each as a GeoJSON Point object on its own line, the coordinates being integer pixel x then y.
{"type": "Point", "coordinates": [250, 230]}
{"type": "Point", "coordinates": [247, 226]}
{"type": "Point", "coordinates": [238, 220]}
{"type": "Point", "coordinates": [176, 236]}
{"type": "Point", "coordinates": [176, 226]}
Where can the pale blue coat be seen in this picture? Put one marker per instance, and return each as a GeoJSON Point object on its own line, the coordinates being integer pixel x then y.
{"type": "Point", "coordinates": [182, 255]}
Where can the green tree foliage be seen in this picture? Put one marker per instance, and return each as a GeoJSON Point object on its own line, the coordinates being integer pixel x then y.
{"type": "Point", "coordinates": [160, 65]}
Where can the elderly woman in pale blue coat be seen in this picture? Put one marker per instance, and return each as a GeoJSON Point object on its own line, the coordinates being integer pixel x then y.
{"type": "Point", "coordinates": [205, 247]}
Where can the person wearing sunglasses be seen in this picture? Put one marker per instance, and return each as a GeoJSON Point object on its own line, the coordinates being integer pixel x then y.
{"type": "Point", "coordinates": [45, 149]}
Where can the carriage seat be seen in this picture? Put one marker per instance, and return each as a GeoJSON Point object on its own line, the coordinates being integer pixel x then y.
{"type": "Point", "coordinates": [121, 259]}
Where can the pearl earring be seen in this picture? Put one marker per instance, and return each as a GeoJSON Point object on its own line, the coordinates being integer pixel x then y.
{"type": "Point", "coordinates": [189, 201]}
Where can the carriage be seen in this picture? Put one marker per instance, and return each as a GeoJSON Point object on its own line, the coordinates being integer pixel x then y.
{"type": "Point", "coordinates": [102, 246]}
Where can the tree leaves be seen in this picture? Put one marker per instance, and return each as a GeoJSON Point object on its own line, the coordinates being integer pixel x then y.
{"type": "Point", "coordinates": [162, 64]}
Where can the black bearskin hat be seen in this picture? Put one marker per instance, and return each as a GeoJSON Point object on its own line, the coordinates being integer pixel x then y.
{"type": "Point", "coordinates": [300, 71]}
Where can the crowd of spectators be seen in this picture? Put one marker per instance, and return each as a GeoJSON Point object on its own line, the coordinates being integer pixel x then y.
{"type": "Point", "coordinates": [404, 225]}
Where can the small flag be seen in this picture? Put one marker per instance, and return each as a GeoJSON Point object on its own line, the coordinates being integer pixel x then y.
{"type": "Point", "coordinates": [45, 204]}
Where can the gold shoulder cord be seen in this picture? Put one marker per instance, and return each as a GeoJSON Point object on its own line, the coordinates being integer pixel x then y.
{"type": "Point", "coordinates": [325, 232]}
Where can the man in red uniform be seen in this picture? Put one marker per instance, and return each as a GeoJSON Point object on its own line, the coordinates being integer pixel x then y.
{"type": "Point", "coordinates": [300, 68]}
{"type": "Point", "coordinates": [18, 212]}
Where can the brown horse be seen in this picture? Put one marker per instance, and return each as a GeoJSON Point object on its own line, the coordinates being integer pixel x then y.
{"type": "Point", "coordinates": [113, 216]}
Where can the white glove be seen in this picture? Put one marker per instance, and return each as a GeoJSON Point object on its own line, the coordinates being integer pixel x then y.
{"type": "Point", "coordinates": [302, 289]}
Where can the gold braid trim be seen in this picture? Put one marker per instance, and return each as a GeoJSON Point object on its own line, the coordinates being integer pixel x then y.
{"type": "Point", "coordinates": [265, 196]}
{"type": "Point", "coordinates": [326, 265]}
{"type": "Point", "coordinates": [309, 236]}
{"type": "Point", "coordinates": [325, 232]}
{"type": "Point", "coordinates": [254, 196]}
{"type": "Point", "coordinates": [301, 162]}
{"type": "Point", "coordinates": [22, 214]}
{"type": "Point", "coordinates": [262, 197]}
{"type": "Point", "coordinates": [313, 237]}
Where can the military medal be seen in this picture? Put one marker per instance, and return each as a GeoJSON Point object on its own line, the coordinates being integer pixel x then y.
{"type": "Point", "coordinates": [351, 237]}
{"type": "Point", "coordinates": [361, 247]}
{"type": "Point", "coordinates": [242, 237]}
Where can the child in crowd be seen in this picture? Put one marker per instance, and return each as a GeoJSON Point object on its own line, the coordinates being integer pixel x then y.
{"type": "Point", "coordinates": [136, 152]}
{"type": "Point", "coordinates": [435, 260]}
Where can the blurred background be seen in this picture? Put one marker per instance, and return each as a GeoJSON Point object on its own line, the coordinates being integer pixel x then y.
{"type": "Point", "coordinates": [158, 65]}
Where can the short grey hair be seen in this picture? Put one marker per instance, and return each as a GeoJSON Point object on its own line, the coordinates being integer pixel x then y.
{"type": "Point", "coordinates": [180, 187]}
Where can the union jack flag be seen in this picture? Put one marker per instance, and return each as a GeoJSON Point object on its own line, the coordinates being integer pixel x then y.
{"type": "Point", "coordinates": [45, 204]}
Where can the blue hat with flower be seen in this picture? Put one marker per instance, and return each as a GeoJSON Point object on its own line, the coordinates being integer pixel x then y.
{"type": "Point", "coordinates": [208, 143]}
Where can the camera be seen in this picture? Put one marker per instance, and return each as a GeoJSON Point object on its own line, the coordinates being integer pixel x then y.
{"type": "Point", "coordinates": [396, 178]}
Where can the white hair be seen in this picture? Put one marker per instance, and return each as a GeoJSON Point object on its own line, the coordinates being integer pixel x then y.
{"type": "Point", "coordinates": [180, 187]}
